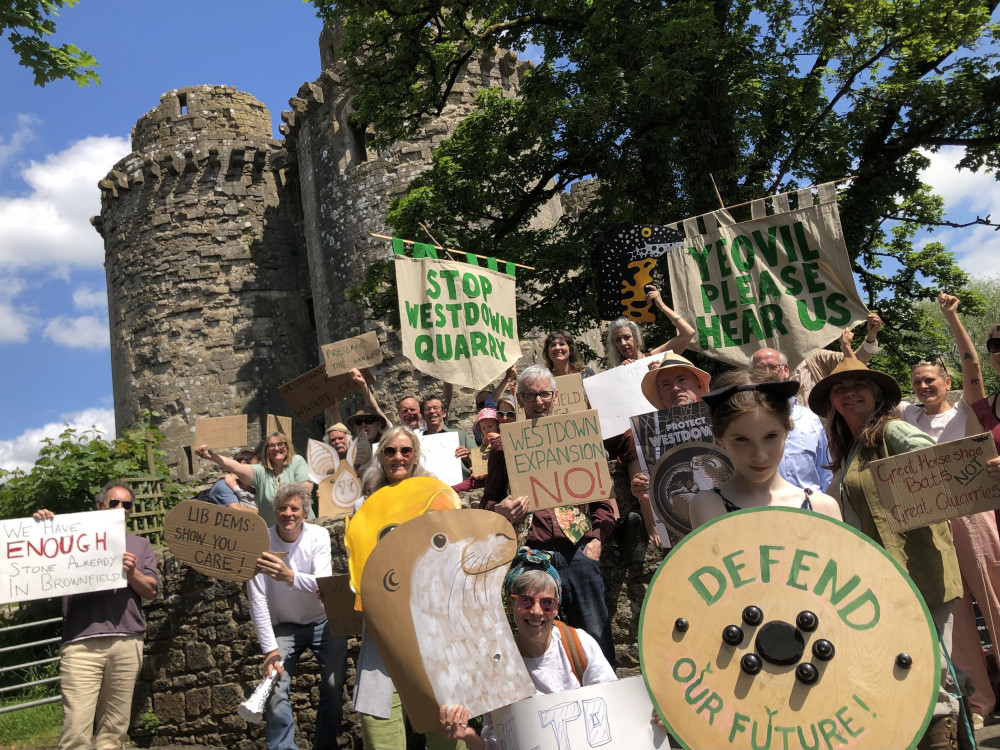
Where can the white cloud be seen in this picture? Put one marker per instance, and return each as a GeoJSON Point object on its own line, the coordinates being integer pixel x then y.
{"type": "Point", "coordinates": [966, 195]}
{"type": "Point", "coordinates": [22, 451]}
{"type": "Point", "coordinates": [15, 320]}
{"type": "Point", "coordinates": [85, 332]}
{"type": "Point", "coordinates": [51, 225]}
{"type": "Point", "coordinates": [25, 133]}
{"type": "Point", "coordinates": [87, 299]}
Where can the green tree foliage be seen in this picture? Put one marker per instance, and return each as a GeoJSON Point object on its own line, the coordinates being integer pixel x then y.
{"type": "Point", "coordinates": [27, 23]}
{"type": "Point", "coordinates": [651, 98]}
{"type": "Point", "coordinates": [69, 471]}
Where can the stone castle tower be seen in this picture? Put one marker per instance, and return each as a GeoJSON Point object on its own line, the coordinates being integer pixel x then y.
{"type": "Point", "coordinates": [229, 254]}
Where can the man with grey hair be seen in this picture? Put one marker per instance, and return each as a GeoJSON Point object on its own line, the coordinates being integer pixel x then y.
{"type": "Point", "coordinates": [289, 617]}
{"type": "Point", "coordinates": [806, 452]}
{"type": "Point", "coordinates": [574, 535]}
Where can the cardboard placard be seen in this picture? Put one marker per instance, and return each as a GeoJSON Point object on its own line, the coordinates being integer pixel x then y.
{"type": "Point", "coordinates": [572, 396]}
{"type": "Point", "coordinates": [221, 432]}
{"type": "Point", "coordinates": [937, 483]}
{"type": "Point", "coordinates": [678, 453]}
{"type": "Point", "coordinates": [356, 352]}
{"type": "Point", "coordinates": [480, 457]}
{"type": "Point", "coordinates": [609, 715]}
{"type": "Point", "coordinates": [312, 392]}
{"type": "Point", "coordinates": [557, 461]}
{"type": "Point", "coordinates": [216, 540]}
{"type": "Point", "coordinates": [438, 456]}
{"type": "Point", "coordinates": [72, 553]}
{"type": "Point", "coordinates": [787, 561]}
{"type": "Point", "coordinates": [337, 485]}
{"type": "Point", "coordinates": [433, 604]}
{"type": "Point", "coordinates": [617, 394]}
{"type": "Point", "coordinates": [280, 424]}
{"type": "Point", "coordinates": [338, 601]}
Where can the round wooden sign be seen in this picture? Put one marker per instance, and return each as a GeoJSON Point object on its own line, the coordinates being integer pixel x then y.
{"type": "Point", "coordinates": [781, 628]}
{"type": "Point", "coordinates": [215, 539]}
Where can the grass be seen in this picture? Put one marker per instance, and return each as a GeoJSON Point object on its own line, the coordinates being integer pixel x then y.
{"type": "Point", "coordinates": [33, 727]}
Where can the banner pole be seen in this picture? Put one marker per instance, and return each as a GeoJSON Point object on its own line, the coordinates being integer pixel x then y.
{"type": "Point", "coordinates": [448, 250]}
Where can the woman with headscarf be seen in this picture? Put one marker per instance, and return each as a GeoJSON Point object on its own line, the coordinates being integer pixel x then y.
{"type": "Point", "coordinates": [864, 426]}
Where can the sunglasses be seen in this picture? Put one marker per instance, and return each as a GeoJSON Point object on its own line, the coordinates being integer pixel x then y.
{"type": "Point", "coordinates": [126, 504]}
{"type": "Point", "coordinates": [390, 451]}
{"type": "Point", "coordinates": [993, 346]}
{"type": "Point", "coordinates": [366, 420]}
{"type": "Point", "coordinates": [934, 359]}
{"type": "Point", "coordinates": [524, 602]}
{"type": "Point", "coordinates": [507, 414]}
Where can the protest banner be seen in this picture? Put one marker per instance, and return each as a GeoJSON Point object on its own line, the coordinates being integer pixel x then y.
{"type": "Point", "coordinates": [937, 483]}
{"type": "Point", "coordinates": [72, 553]}
{"type": "Point", "coordinates": [338, 601]}
{"type": "Point", "coordinates": [357, 352]}
{"type": "Point", "coordinates": [678, 453]}
{"type": "Point", "coordinates": [782, 628]}
{"type": "Point", "coordinates": [623, 258]}
{"type": "Point", "coordinates": [433, 604]}
{"type": "Point", "coordinates": [557, 461]}
{"type": "Point", "coordinates": [438, 456]}
{"type": "Point", "coordinates": [609, 715]}
{"type": "Point", "coordinates": [221, 432]}
{"type": "Point", "coordinates": [216, 539]}
{"type": "Point", "coordinates": [313, 391]}
{"type": "Point", "coordinates": [782, 281]}
{"type": "Point", "coordinates": [337, 484]}
{"type": "Point", "coordinates": [458, 321]}
{"type": "Point", "coordinates": [616, 394]}
{"type": "Point", "coordinates": [279, 424]}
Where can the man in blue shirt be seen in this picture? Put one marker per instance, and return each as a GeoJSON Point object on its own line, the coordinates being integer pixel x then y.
{"type": "Point", "coordinates": [231, 491]}
{"type": "Point", "coordinates": [806, 450]}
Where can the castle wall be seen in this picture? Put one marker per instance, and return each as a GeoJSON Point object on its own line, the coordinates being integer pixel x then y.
{"type": "Point", "coordinates": [205, 263]}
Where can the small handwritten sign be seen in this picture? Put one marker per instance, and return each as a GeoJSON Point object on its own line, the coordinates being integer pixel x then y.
{"type": "Point", "coordinates": [557, 461]}
{"type": "Point", "coordinates": [338, 601]}
{"type": "Point", "coordinates": [937, 483]}
{"type": "Point", "coordinates": [313, 391]}
{"type": "Point", "coordinates": [216, 540]}
{"type": "Point", "coordinates": [343, 356]}
{"type": "Point", "coordinates": [572, 396]}
{"type": "Point", "coordinates": [279, 424]}
{"type": "Point", "coordinates": [72, 553]}
{"type": "Point", "coordinates": [221, 432]}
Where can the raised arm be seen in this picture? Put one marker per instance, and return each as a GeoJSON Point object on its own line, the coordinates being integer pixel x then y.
{"type": "Point", "coordinates": [509, 377]}
{"type": "Point", "coordinates": [243, 471]}
{"type": "Point", "coordinates": [367, 394]}
{"type": "Point", "coordinates": [870, 345]}
{"type": "Point", "coordinates": [972, 375]}
{"type": "Point", "coordinates": [685, 331]}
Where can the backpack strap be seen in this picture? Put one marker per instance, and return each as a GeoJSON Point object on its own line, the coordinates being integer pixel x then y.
{"type": "Point", "coordinates": [574, 649]}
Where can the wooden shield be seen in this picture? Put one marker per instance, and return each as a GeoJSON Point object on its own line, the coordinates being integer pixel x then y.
{"type": "Point", "coordinates": [778, 627]}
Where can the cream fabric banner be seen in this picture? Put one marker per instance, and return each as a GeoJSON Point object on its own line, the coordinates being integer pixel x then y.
{"type": "Point", "coordinates": [782, 281]}
{"type": "Point", "coordinates": [458, 321]}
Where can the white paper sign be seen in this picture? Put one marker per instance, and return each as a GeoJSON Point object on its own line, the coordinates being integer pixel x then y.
{"type": "Point", "coordinates": [617, 395]}
{"type": "Point", "coordinates": [438, 453]}
{"type": "Point", "coordinates": [70, 554]}
{"type": "Point", "coordinates": [611, 716]}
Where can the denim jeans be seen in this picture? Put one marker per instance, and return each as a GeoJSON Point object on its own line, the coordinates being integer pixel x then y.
{"type": "Point", "coordinates": [331, 653]}
{"type": "Point", "coordinates": [583, 601]}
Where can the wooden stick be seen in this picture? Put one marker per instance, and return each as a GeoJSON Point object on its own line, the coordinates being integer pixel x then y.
{"type": "Point", "coordinates": [448, 250]}
{"type": "Point", "coordinates": [715, 187]}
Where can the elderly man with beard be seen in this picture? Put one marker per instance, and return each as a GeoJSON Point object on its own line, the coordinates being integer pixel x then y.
{"type": "Point", "coordinates": [574, 535]}
{"type": "Point", "coordinates": [806, 454]}
{"type": "Point", "coordinates": [338, 437]}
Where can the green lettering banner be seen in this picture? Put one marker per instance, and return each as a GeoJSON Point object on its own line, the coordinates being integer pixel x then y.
{"type": "Point", "coordinates": [458, 322]}
{"type": "Point", "coordinates": [782, 281]}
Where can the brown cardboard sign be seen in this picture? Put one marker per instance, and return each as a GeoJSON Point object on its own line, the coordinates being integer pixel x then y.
{"type": "Point", "coordinates": [221, 432]}
{"type": "Point", "coordinates": [276, 423]}
{"type": "Point", "coordinates": [572, 396]}
{"type": "Point", "coordinates": [357, 352]}
{"type": "Point", "coordinates": [480, 456]}
{"type": "Point", "coordinates": [557, 461]}
{"type": "Point", "coordinates": [215, 539]}
{"type": "Point", "coordinates": [313, 391]}
{"type": "Point", "coordinates": [338, 601]}
{"type": "Point", "coordinates": [937, 483]}
{"type": "Point", "coordinates": [337, 484]}
{"type": "Point", "coordinates": [840, 643]}
{"type": "Point", "coordinates": [432, 592]}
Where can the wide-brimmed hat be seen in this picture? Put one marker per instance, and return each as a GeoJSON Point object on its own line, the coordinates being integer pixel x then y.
{"type": "Point", "coordinates": [850, 368]}
{"type": "Point", "coordinates": [671, 361]}
{"type": "Point", "coordinates": [365, 411]}
{"type": "Point", "coordinates": [483, 414]}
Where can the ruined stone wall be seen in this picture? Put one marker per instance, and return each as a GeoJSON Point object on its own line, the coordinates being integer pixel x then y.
{"type": "Point", "coordinates": [205, 262]}
{"type": "Point", "coordinates": [203, 659]}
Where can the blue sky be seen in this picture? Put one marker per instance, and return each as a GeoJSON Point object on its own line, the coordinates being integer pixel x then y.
{"type": "Point", "coordinates": [57, 142]}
